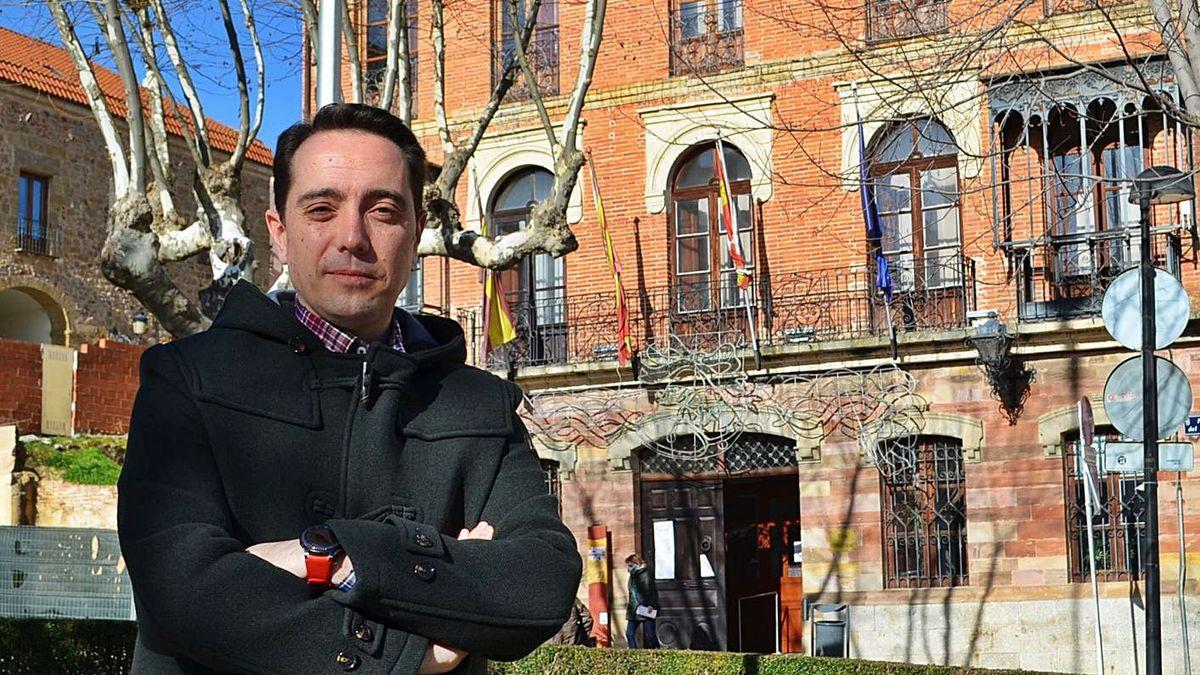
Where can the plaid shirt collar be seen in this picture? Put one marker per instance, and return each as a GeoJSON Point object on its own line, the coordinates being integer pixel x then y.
{"type": "Point", "coordinates": [339, 341]}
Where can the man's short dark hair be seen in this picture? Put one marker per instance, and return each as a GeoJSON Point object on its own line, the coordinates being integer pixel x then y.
{"type": "Point", "coordinates": [355, 116]}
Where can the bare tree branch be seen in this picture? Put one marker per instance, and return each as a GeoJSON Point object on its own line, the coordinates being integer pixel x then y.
{"type": "Point", "coordinates": [182, 73]}
{"type": "Point", "coordinates": [95, 96]}
{"type": "Point", "coordinates": [522, 58]}
{"type": "Point", "coordinates": [438, 34]}
{"type": "Point", "coordinates": [589, 51]}
{"type": "Point", "coordinates": [352, 54]}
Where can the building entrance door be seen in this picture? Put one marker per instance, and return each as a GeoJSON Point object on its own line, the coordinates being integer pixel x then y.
{"type": "Point", "coordinates": [764, 593]}
{"type": "Point", "coordinates": [720, 531]}
{"type": "Point", "coordinates": [682, 540]}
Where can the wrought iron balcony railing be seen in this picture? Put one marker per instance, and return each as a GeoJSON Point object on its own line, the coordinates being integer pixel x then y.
{"type": "Point", "coordinates": [542, 54]}
{"type": "Point", "coordinates": [1054, 7]}
{"type": "Point", "coordinates": [897, 19]}
{"type": "Point", "coordinates": [814, 306]}
{"type": "Point", "coordinates": [706, 36]}
{"type": "Point", "coordinates": [37, 236]}
{"type": "Point", "coordinates": [1065, 276]}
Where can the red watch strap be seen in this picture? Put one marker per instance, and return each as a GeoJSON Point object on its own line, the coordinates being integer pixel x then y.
{"type": "Point", "coordinates": [319, 568]}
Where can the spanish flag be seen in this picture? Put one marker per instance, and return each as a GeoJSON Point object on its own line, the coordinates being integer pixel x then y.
{"type": "Point", "coordinates": [624, 343]}
{"type": "Point", "coordinates": [727, 219]}
{"type": "Point", "coordinates": [497, 327]}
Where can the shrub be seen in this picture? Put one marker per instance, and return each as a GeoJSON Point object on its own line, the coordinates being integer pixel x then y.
{"type": "Point", "coordinates": [66, 647]}
{"type": "Point", "coordinates": [89, 460]}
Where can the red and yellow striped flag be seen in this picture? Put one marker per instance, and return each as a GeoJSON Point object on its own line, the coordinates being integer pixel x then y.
{"type": "Point", "coordinates": [727, 219]}
{"type": "Point", "coordinates": [497, 327]}
{"type": "Point", "coordinates": [624, 342]}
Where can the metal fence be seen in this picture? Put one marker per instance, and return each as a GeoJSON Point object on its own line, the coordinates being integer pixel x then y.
{"type": "Point", "coordinates": [1066, 276]}
{"type": "Point", "coordinates": [811, 306]}
{"type": "Point", "coordinates": [892, 20]}
{"type": "Point", "coordinates": [63, 573]}
{"type": "Point", "coordinates": [706, 36]}
{"type": "Point", "coordinates": [37, 236]}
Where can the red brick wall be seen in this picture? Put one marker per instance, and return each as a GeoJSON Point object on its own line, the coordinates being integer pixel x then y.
{"type": "Point", "coordinates": [106, 380]}
{"type": "Point", "coordinates": [21, 391]}
{"type": "Point", "coordinates": [105, 385]}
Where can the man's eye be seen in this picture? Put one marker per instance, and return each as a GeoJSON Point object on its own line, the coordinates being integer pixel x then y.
{"type": "Point", "coordinates": [319, 212]}
{"type": "Point", "coordinates": [386, 212]}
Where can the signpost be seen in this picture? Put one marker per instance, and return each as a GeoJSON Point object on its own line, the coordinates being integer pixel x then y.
{"type": "Point", "coordinates": [1086, 457]}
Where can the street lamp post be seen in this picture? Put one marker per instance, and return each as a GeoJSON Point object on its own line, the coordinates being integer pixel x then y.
{"type": "Point", "coordinates": [1156, 185]}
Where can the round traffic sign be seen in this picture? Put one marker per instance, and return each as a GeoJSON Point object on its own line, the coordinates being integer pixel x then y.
{"type": "Point", "coordinates": [1122, 308]}
{"type": "Point", "coordinates": [1123, 397]}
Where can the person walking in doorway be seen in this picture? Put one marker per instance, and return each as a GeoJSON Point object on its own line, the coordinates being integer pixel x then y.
{"type": "Point", "coordinates": [643, 603]}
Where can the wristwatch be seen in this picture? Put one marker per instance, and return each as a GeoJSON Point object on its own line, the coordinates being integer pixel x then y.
{"type": "Point", "coordinates": [321, 547]}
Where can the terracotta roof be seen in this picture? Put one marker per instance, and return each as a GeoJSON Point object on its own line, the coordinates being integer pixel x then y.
{"type": "Point", "coordinates": [48, 68]}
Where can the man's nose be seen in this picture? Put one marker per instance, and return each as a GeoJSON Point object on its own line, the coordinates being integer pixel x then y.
{"type": "Point", "coordinates": [352, 233]}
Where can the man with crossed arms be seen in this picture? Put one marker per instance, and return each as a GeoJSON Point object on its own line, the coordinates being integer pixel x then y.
{"type": "Point", "coordinates": [318, 483]}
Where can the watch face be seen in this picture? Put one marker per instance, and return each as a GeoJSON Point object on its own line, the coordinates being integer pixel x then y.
{"type": "Point", "coordinates": [319, 540]}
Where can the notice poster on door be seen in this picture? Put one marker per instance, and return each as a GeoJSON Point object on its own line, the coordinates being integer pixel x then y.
{"type": "Point", "coordinates": [664, 549]}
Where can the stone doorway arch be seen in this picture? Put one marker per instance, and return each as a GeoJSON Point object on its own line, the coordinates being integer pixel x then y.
{"type": "Point", "coordinates": [33, 311]}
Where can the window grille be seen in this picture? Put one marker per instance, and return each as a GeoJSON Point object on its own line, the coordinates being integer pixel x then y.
{"type": "Point", "coordinates": [924, 514]}
{"type": "Point", "coordinates": [1118, 520]}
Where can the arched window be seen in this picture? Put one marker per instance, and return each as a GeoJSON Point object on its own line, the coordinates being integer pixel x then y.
{"type": "Point", "coordinates": [702, 270]}
{"type": "Point", "coordinates": [535, 289]}
{"type": "Point", "coordinates": [914, 167]}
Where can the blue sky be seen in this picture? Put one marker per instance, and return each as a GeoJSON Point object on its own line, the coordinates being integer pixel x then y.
{"type": "Point", "coordinates": [202, 37]}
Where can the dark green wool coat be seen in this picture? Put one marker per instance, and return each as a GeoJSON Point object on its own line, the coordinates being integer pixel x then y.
{"type": "Point", "coordinates": [252, 431]}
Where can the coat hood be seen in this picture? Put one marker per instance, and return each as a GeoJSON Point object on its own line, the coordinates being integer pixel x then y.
{"type": "Point", "coordinates": [427, 338]}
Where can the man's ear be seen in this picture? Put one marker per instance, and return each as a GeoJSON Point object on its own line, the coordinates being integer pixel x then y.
{"type": "Point", "coordinates": [278, 234]}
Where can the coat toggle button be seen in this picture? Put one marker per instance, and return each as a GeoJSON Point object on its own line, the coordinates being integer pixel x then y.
{"type": "Point", "coordinates": [423, 540]}
{"type": "Point", "coordinates": [364, 633]}
{"type": "Point", "coordinates": [347, 660]}
{"type": "Point", "coordinates": [297, 345]}
{"type": "Point", "coordinates": [424, 572]}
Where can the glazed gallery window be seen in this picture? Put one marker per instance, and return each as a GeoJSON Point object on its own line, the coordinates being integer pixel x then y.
{"type": "Point", "coordinates": [1093, 161]}
{"type": "Point", "coordinates": [703, 276]}
{"type": "Point", "coordinates": [914, 169]}
{"type": "Point", "coordinates": [1118, 520]}
{"type": "Point", "coordinates": [375, 62]}
{"type": "Point", "coordinates": [541, 53]}
{"type": "Point", "coordinates": [535, 289]}
{"type": "Point", "coordinates": [923, 504]}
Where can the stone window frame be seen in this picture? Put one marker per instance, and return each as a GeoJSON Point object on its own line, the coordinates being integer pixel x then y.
{"type": "Point", "coordinates": [969, 430]}
{"type": "Point", "coordinates": [671, 131]}
{"type": "Point", "coordinates": [661, 425]}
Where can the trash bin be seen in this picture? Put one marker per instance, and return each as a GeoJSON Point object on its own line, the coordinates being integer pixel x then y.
{"type": "Point", "coordinates": [830, 630]}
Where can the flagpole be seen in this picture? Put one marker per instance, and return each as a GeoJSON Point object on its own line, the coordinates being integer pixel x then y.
{"type": "Point", "coordinates": [862, 179]}
{"type": "Point", "coordinates": [735, 247]}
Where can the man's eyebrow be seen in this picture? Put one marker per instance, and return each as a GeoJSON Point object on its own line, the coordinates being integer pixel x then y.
{"type": "Point", "coordinates": [376, 194]}
{"type": "Point", "coordinates": [321, 193]}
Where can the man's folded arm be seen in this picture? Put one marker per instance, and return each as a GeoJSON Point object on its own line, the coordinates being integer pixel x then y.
{"type": "Point", "coordinates": [203, 597]}
{"type": "Point", "coordinates": [499, 599]}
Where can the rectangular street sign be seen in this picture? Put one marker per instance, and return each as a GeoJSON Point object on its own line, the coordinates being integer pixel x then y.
{"type": "Point", "coordinates": [1192, 426]}
{"type": "Point", "coordinates": [1125, 457]}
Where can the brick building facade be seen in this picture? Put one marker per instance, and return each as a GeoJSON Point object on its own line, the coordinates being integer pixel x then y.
{"type": "Point", "coordinates": [818, 467]}
{"type": "Point", "coordinates": [55, 188]}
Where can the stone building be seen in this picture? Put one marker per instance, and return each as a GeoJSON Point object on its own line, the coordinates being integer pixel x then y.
{"type": "Point", "coordinates": [805, 440]}
{"type": "Point", "coordinates": [55, 188]}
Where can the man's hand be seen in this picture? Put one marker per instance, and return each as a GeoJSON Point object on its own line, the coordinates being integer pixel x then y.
{"type": "Point", "coordinates": [440, 658]}
{"type": "Point", "coordinates": [289, 556]}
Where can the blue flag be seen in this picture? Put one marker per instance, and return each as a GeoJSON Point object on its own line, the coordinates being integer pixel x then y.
{"type": "Point", "coordinates": [883, 275]}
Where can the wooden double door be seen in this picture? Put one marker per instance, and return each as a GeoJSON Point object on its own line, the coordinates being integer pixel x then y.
{"type": "Point", "coordinates": [723, 552]}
